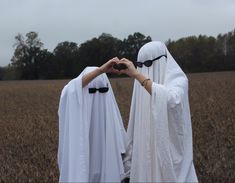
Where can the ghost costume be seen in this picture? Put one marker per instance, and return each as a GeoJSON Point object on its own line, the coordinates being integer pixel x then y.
{"type": "Point", "coordinates": [159, 130]}
{"type": "Point", "coordinates": [91, 133]}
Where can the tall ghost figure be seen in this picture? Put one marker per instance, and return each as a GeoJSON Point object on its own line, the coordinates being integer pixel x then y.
{"type": "Point", "coordinates": [91, 132]}
{"type": "Point", "coordinates": [159, 130]}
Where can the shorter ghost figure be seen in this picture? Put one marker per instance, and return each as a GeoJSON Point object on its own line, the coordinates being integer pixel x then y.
{"type": "Point", "coordinates": [91, 133]}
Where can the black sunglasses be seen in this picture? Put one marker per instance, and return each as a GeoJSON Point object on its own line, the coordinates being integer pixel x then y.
{"type": "Point", "coordinates": [101, 90]}
{"type": "Point", "coordinates": [148, 63]}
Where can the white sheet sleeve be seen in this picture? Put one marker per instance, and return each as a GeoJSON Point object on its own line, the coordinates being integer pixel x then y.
{"type": "Point", "coordinates": [167, 107]}
{"type": "Point", "coordinates": [161, 132]}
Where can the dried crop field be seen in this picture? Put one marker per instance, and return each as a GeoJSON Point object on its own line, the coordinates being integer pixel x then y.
{"type": "Point", "coordinates": [29, 126]}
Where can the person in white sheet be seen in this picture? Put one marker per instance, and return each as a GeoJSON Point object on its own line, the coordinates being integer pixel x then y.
{"type": "Point", "coordinates": [91, 133]}
{"type": "Point", "coordinates": [159, 145]}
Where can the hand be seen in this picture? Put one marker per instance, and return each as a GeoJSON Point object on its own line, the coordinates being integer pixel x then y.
{"type": "Point", "coordinates": [108, 66]}
{"type": "Point", "coordinates": [131, 70]}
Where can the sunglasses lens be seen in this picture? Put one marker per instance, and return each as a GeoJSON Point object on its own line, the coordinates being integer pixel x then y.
{"type": "Point", "coordinates": [148, 63]}
{"type": "Point", "coordinates": [139, 64]}
{"type": "Point", "coordinates": [92, 90]}
{"type": "Point", "coordinates": [103, 90]}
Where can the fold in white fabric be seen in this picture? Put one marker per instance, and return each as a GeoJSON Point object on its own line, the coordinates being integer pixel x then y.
{"type": "Point", "coordinates": [159, 130]}
{"type": "Point", "coordinates": [92, 137]}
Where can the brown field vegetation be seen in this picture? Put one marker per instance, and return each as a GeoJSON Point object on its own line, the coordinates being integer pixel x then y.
{"type": "Point", "coordinates": [29, 126]}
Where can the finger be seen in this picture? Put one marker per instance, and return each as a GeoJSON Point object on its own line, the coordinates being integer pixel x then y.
{"type": "Point", "coordinates": [122, 62]}
{"type": "Point", "coordinates": [116, 58]}
{"type": "Point", "coordinates": [112, 62]}
{"type": "Point", "coordinates": [114, 71]}
{"type": "Point", "coordinates": [124, 59]}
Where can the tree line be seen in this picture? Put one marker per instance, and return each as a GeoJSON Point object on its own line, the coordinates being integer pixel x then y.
{"type": "Point", "coordinates": [205, 54]}
{"type": "Point", "coordinates": [68, 59]}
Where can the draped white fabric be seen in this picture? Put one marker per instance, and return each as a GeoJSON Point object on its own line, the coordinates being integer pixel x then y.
{"type": "Point", "coordinates": [159, 130]}
{"type": "Point", "coordinates": [91, 133]}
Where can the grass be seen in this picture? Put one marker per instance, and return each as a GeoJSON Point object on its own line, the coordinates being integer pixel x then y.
{"type": "Point", "coordinates": [29, 126]}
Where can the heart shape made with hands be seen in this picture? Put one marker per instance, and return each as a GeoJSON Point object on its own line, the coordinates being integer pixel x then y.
{"type": "Point", "coordinates": [119, 66]}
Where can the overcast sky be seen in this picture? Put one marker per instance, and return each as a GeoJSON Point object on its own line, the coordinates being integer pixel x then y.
{"type": "Point", "coordinates": [81, 20]}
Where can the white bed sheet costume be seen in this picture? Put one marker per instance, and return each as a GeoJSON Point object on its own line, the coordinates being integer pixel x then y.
{"type": "Point", "coordinates": [159, 129]}
{"type": "Point", "coordinates": [91, 133]}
